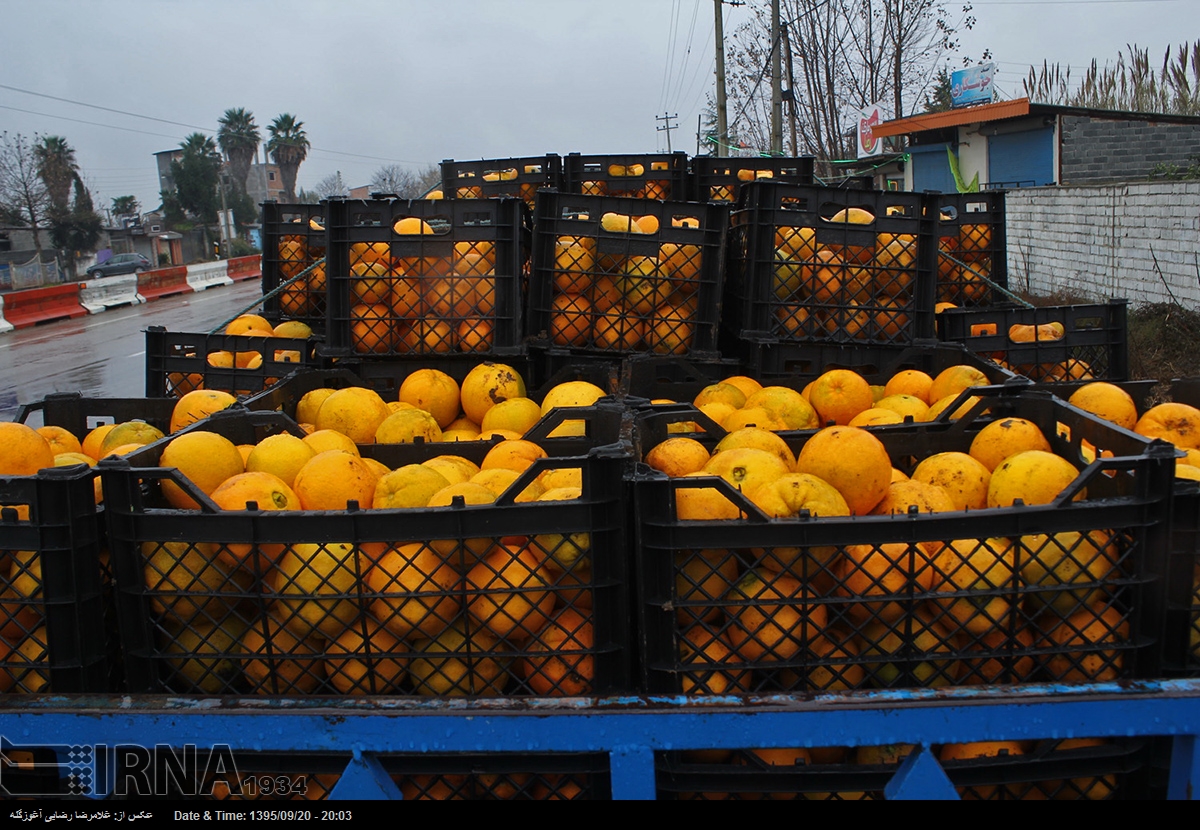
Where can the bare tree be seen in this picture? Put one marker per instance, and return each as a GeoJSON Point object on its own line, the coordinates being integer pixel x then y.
{"type": "Point", "coordinates": [23, 193]}
{"type": "Point", "coordinates": [331, 187]}
{"type": "Point", "coordinates": [405, 183]}
{"type": "Point", "coordinates": [845, 54]}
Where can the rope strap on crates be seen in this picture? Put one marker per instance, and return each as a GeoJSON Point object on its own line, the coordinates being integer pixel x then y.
{"type": "Point", "coordinates": [275, 292]}
{"type": "Point", "coordinates": [984, 279]}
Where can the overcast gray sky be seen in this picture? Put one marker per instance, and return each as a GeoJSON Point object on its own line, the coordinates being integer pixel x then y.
{"type": "Point", "coordinates": [413, 82]}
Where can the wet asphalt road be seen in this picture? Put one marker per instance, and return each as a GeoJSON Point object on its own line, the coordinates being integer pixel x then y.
{"type": "Point", "coordinates": [104, 355]}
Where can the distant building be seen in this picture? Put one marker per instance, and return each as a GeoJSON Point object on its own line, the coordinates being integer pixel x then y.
{"type": "Point", "coordinates": [163, 159]}
{"type": "Point", "coordinates": [1019, 143]}
{"type": "Point", "coordinates": [264, 182]}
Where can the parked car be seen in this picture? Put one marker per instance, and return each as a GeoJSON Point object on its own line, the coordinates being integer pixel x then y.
{"type": "Point", "coordinates": [120, 264]}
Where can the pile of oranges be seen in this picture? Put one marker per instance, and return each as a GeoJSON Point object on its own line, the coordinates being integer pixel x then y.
{"type": "Point", "coordinates": [797, 615]}
{"type": "Point", "coordinates": [453, 615]}
{"type": "Point", "coordinates": [251, 360]}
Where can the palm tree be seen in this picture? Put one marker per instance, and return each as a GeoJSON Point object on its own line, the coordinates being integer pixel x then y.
{"type": "Point", "coordinates": [288, 146]}
{"type": "Point", "coordinates": [239, 139]}
{"type": "Point", "coordinates": [57, 168]}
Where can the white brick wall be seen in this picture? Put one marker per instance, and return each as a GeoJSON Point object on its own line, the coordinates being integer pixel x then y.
{"type": "Point", "coordinates": [1102, 242]}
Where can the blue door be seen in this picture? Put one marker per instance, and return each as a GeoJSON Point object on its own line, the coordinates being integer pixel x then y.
{"type": "Point", "coordinates": [1024, 159]}
{"type": "Point", "coordinates": [931, 168]}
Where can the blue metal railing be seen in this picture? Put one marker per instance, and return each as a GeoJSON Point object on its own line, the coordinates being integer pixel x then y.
{"type": "Point", "coordinates": [629, 730]}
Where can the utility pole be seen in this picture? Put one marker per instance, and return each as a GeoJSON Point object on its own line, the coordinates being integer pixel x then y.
{"type": "Point", "coordinates": [776, 87]}
{"type": "Point", "coordinates": [667, 125]}
{"type": "Point", "coordinates": [791, 90]}
{"type": "Point", "coordinates": [722, 115]}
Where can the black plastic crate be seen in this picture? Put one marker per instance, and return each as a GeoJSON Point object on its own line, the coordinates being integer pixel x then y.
{"type": "Point", "coordinates": [179, 362]}
{"type": "Point", "coordinates": [57, 546]}
{"type": "Point", "coordinates": [972, 248]}
{"type": "Point", "coordinates": [615, 276]}
{"type": "Point", "coordinates": [828, 265]}
{"type": "Point", "coordinates": [519, 178]}
{"type": "Point", "coordinates": [1073, 769]}
{"type": "Point", "coordinates": [639, 175]}
{"type": "Point", "coordinates": [718, 179]}
{"type": "Point", "coordinates": [856, 601]}
{"type": "Point", "coordinates": [293, 241]}
{"type": "Point", "coordinates": [53, 609]}
{"type": "Point", "coordinates": [1092, 344]}
{"type": "Point", "coordinates": [432, 276]}
{"type": "Point", "coordinates": [465, 600]}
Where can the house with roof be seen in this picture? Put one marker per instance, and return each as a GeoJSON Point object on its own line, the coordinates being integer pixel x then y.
{"type": "Point", "coordinates": [1019, 143]}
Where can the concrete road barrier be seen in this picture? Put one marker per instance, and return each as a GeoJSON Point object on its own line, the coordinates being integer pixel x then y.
{"type": "Point", "coordinates": [37, 305]}
{"type": "Point", "coordinates": [99, 294]}
{"type": "Point", "coordinates": [207, 274]}
{"type": "Point", "coordinates": [5, 326]}
{"type": "Point", "coordinates": [245, 267]}
{"type": "Point", "coordinates": [163, 282]}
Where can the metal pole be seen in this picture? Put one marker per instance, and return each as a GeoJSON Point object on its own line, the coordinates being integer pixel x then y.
{"type": "Point", "coordinates": [776, 88]}
{"type": "Point", "coordinates": [722, 115]}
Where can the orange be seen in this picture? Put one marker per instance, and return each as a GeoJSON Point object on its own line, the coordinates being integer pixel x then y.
{"type": "Point", "coordinates": [486, 385]}
{"type": "Point", "coordinates": [372, 329]}
{"type": "Point", "coordinates": [789, 496]}
{"type": "Point", "coordinates": [770, 617]}
{"type": "Point", "coordinates": [1007, 436]}
{"type": "Point", "coordinates": [245, 450]}
{"type": "Point", "coordinates": [1064, 560]}
{"type": "Point", "coordinates": [1178, 423]}
{"type": "Point", "coordinates": [979, 575]}
{"type": "Point", "coordinates": [293, 329]}
{"type": "Point", "coordinates": [559, 658]}
{"type": "Point", "coordinates": [1013, 661]}
{"type": "Point", "coordinates": [412, 485]}
{"type": "Point", "coordinates": [184, 579]}
{"type": "Point", "coordinates": [330, 439]}
{"type": "Point", "coordinates": [93, 440]}
{"type": "Point", "coordinates": [1108, 401]}
{"type": "Point", "coordinates": [372, 665]}
{"type": "Point", "coordinates": [455, 468]}
{"type": "Point", "coordinates": [920, 653]}
{"type": "Point", "coordinates": [204, 458]}
{"type": "Point", "coordinates": [23, 451]}
{"type": "Point", "coordinates": [955, 379]}
{"type": "Point", "coordinates": [720, 392]}
{"type": "Point", "coordinates": [1033, 476]}
{"type": "Point", "coordinates": [747, 468]}
{"type": "Point", "coordinates": [310, 404]}
{"type": "Point", "coordinates": [785, 405]}
{"type": "Point", "coordinates": [708, 664]}
{"type": "Point", "coordinates": [702, 578]}
{"type": "Point", "coordinates": [266, 490]}
{"type": "Point", "coordinates": [964, 478]}
{"type": "Point", "coordinates": [515, 414]}
{"type": "Point", "coordinates": [247, 322]}
{"type": "Point", "coordinates": [982, 749]}
{"type": "Point", "coordinates": [509, 592]}
{"type": "Point", "coordinates": [434, 391]}
{"type": "Point", "coordinates": [408, 426]}
{"type": "Point", "coordinates": [130, 432]}
{"type": "Point", "coordinates": [355, 412]}
{"type": "Point", "coordinates": [570, 320]}
{"type": "Point", "coordinates": [903, 496]}
{"type": "Point", "coordinates": [198, 404]}
{"type": "Point", "coordinates": [751, 417]}
{"type": "Point", "coordinates": [315, 584]}
{"type": "Point", "coordinates": [278, 662]}
{"type": "Point", "coordinates": [60, 439]}
{"type": "Point", "coordinates": [880, 579]}
{"type": "Point", "coordinates": [852, 460]}
{"type": "Point", "coordinates": [571, 394]}
{"type": "Point", "coordinates": [762, 439]}
{"type": "Point", "coordinates": [678, 456]}
{"type": "Point", "coordinates": [703, 503]}
{"type": "Point", "coordinates": [838, 395]}
{"type": "Point", "coordinates": [419, 591]}
{"type": "Point", "coordinates": [517, 455]}
{"type": "Point", "coordinates": [904, 405]}
{"type": "Point", "coordinates": [333, 478]}
{"type": "Point", "coordinates": [498, 480]}
{"type": "Point", "coordinates": [282, 455]}
{"type": "Point", "coordinates": [874, 417]}
{"type": "Point", "coordinates": [1079, 640]}
{"type": "Point", "coordinates": [464, 660]}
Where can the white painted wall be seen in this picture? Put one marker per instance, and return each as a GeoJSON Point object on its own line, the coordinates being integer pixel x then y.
{"type": "Point", "coordinates": [1137, 241]}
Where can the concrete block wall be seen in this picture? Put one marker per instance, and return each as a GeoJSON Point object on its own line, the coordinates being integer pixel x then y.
{"type": "Point", "coordinates": [1139, 241]}
{"type": "Point", "coordinates": [1096, 151]}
